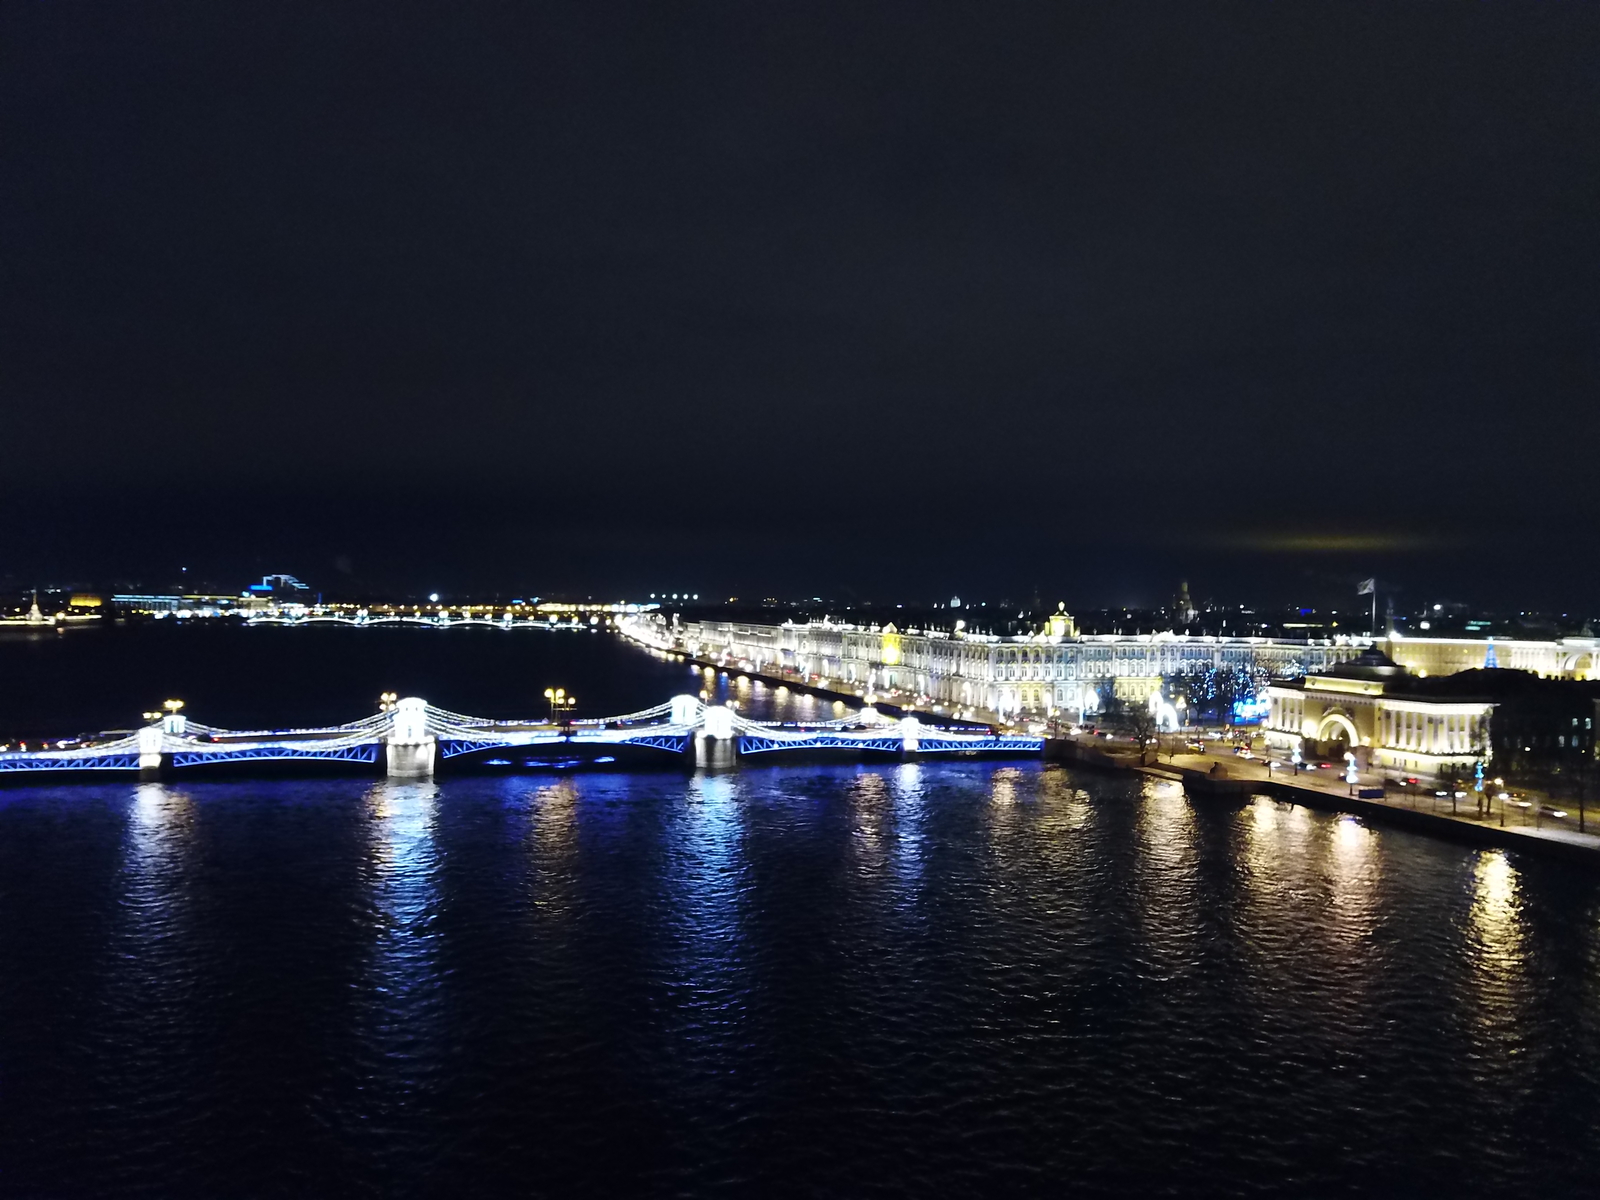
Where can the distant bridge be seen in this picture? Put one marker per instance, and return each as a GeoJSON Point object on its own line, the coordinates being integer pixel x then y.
{"type": "Point", "coordinates": [412, 736]}
{"type": "Point", "coordinates": [433, 621]}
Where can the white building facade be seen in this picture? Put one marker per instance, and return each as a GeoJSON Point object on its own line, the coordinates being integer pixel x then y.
{"type": "Point", "coordinates": [1054, 671]}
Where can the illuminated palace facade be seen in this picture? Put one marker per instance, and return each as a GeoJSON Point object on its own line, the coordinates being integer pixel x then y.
{"type": "Point", "coordinates": [1054, 670]}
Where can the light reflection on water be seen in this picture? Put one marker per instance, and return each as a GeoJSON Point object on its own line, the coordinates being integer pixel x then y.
{"type": "Point", "coordinates": [1496, 923]}
{"type": "Point", "coordinates": [910, 800]}
{"type": "Point", "coordinates": [1497, 935]}
{"type": "Point", "coordinates": [1112, 981]}
{"type": "Point", "coordinates": [1354, 875]}
{"type": "Point", "coordinates": [155, 928]}
{"type": "Point", "coordinates": [400, 990]}
{"type": "Point", "coordinates": [1167, 883]}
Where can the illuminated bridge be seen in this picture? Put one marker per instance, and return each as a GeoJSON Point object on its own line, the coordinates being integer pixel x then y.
{"type": "Point", "coordinates": [412, 736]}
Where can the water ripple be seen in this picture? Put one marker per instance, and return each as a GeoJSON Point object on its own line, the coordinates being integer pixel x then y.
{"type": "Point", "coordinates": [952, 979]}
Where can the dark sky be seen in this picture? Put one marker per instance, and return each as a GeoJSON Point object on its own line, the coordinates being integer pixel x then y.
{"type": "Point", "coordinates": [804, 298]}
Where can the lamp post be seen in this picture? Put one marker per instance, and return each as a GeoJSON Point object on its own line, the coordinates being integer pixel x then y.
{"type": "Point", "coordinates": [559, 701]}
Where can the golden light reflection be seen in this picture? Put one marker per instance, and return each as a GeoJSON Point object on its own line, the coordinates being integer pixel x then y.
{"type": "Point", "coordinates": [1496, 920]}
{"type": "Point", "coordinates": [1003, 786]}
{"type": "Point", "coordinates": [1166, 821]}
{"type": "Point", "coordinates": [1352, 839]}
{"type": "Point", "coordinates": [1166, 879]}
{"type": "Point", "coordinates": [1353, 882]}
{"type": "Point", "coordinates": [1497, 950]}
{"type": "Point", "coordinates": [1264, 815]}
{"type": "Point", "coordinates": [1266, 837]}
{"type": "Point", "coordinates": [1276, 837]}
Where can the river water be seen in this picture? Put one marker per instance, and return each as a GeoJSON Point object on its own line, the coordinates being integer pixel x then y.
{"type": "Point", "coordinates": [953, 979]}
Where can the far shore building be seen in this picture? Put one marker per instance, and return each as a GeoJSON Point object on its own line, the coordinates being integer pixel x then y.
{"type": "Point", "coordinates": [1058, 671]}
{"type": "Point", "coordinates": [1558, 658]}
{"type": "Point", "coordinates": [1439, 727]}
{"type": "Point", "coordinates": [1371, 706]}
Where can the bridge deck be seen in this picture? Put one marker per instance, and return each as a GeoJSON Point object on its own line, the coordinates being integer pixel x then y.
{"type": "Point", "coordinates": [673, 727]}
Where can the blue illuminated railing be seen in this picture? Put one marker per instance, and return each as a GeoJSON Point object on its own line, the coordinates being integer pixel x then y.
{"type": "Point", "coordinates": [678, 743]}
{"type": "Point", "coordinates": [451, 747]}
{"type": "Point", "coordinates": [201, 758]}
{"type": "Point", "coordinates": [757, 744]}
{"type": "Point", "coordinates": [85, 762]}
{"type": "Point", "coordinates": [988, 745]}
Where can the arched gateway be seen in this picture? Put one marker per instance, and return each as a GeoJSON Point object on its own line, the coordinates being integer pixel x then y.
{"type": "Point", "coordinates": [1337, 733]}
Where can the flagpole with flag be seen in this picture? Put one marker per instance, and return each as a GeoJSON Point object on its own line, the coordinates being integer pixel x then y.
{"type": "Point", "coordinates": [1369, 587]}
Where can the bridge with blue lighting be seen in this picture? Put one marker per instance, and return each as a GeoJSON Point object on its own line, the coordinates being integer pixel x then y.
{"type": "Point", "coordinates": [411, 737]}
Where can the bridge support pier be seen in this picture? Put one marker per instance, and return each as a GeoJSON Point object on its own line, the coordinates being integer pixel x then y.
{"type": "Point", "coordinates": [716, 745]}
{"type": "Point", "coordinates": [410, 760]}
{"type": "Point", "coordinates": [151, 759]}
{"type": "Point", "coordinates": [910, 737]}
{"type": "Point", "coordinates": [410, 749]}
{"type": "Point", "coordinates": [714, 752]}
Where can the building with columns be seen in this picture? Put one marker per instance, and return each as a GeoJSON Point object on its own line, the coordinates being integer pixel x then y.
{"type": "Point", "coordinates": [1561, 658]}
{"type": "Point", "coordinates": [1053, 670]}
{"type": "Point", "coordinates": [1372, 707]}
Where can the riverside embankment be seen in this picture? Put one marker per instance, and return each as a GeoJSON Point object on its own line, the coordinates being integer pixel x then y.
{"type": "Point", "coordinates": [1214, 777]}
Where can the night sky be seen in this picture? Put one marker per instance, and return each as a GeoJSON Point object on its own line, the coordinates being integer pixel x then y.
{"type": "Point", "coordinates": [864, 299]}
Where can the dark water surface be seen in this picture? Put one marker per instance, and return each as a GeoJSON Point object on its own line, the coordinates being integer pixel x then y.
{"type": "Point", "coordinates": [958, 979]}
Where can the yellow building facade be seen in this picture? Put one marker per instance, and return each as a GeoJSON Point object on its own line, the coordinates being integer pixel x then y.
{"type": "Point", "coordinates": [1362, 707]}
{"type": "Point", "coordinates": [1563, 658]}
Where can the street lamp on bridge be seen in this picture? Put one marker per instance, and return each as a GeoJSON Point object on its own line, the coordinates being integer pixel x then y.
{"type": "Point", "coordinates": [559, 701]}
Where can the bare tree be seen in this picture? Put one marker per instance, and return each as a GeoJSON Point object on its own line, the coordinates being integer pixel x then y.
{"type": "Point", "coordinates": [1142, 724]}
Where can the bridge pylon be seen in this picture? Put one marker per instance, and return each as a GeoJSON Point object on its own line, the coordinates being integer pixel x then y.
{"type": "Point", "coordinates": [152, 752]}
{"type": "Point", "coordinates": [716, 743]}
{"type": "Point", "coordinates": [410, 750]}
